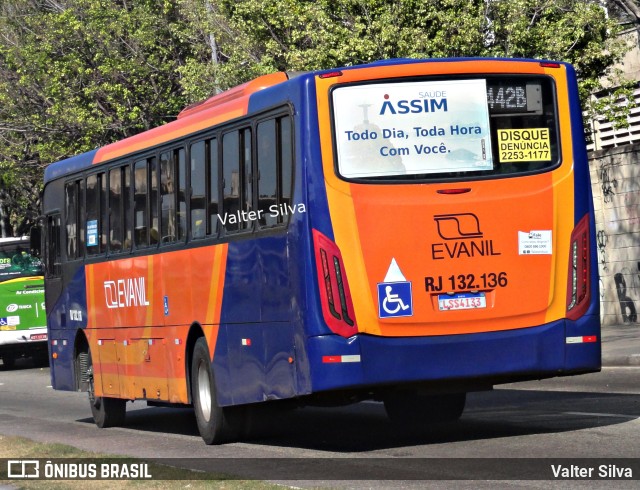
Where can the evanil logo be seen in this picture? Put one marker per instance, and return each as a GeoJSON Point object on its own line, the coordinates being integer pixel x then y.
{"type": "Point", "coordinates": [124, 293]}
{"type": "Point", "coordinates": [415, 106]}
{"type": "Point", "coordinates": [12, 307]}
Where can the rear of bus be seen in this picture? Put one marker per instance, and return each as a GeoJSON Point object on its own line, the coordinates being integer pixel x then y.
{"type": "Point", "coordinates": [458, 252]}
{"type": "Point", "coordinates": [23, 324]}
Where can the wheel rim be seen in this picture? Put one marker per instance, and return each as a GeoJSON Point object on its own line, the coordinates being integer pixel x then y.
{"type": "Point", "coordinates": [204, 391]}
{"type": "Point", "coordinates": [91, 389]}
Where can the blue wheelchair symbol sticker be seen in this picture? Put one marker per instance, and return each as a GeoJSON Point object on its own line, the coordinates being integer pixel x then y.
{"type": "Point", "coordinates": [395, 299]}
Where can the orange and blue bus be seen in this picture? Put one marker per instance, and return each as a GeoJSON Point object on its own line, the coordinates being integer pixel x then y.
{"type": "Point", "coordinates": [405, 231]}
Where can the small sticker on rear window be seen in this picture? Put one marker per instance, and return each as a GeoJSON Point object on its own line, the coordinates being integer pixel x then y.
{"type": "Point", "coordinates": [535, 242]}
{"type": "Point", "coordinates": [524, 145]}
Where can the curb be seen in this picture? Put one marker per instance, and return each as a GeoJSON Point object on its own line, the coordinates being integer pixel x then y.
{"type": "Point", "coordinates": [621, 360]}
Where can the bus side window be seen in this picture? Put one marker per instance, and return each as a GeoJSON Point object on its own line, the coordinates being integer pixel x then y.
{"type": "Point", "coordinates": [231, 180]}
{"type": "Point", "coordinates": [246, 176]}
{"type": "Point", "coordinates": [82, 212]}
{"type": "Point", "coordinates": [93, 214]}
{"type": "Point", "coordinates": [267, 172]}
{"type": "Point", "coordinates": [140, 219]}
{"type": "Point", "coordinates": [181, 159]}
{"type": "Point", "coordinates": [275, 167]}
{"type": "Point", "coordinates": [104, 212]}
{"type": "Point", "coordinates": [126, 212]}
{"type": "Point", "coordinates": [115, 210]}
{"type": "Point", "coordinates": [286, 160]}
{"type": "Point", "coordinates": [71, 218]}
{"type": "Point", "coordinates": [167, 198]}
{"type": "Point", "coordinates": [198, 190]}
{"type": "Point", "coordinates": [53, 251]}
{"type": "Point", "coordinates": [154, 234]}
{"type": "Point", "coordinates": [213, 187]}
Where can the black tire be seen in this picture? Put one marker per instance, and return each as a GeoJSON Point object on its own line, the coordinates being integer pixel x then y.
{"type": "Point", "coordinates": [107, 412]}
{"type": "Point", "coordinates": [216, 424]}
{"type": "Point", "coordinates": [412, 408]}
{"type": "Point", "coordinates": [8, 361]}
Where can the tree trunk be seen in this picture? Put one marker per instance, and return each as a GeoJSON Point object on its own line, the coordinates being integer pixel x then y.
{"type": "Point", "coordinates": [5, 225]}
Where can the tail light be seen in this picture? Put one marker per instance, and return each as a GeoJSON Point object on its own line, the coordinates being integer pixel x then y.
{"type": "Point", "coordinates": [337, 306]}
{"type": "Point", "coordinates": [578, 287]}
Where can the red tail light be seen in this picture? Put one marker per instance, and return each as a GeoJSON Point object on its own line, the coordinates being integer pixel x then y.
{"type": "Point", "coordinates": [337, 306]}
{"type": "Point", "coordinates": [578, 286]}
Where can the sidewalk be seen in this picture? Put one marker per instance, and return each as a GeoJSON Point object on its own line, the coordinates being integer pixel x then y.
{"type": "Point", "coordinates": [621, 345]}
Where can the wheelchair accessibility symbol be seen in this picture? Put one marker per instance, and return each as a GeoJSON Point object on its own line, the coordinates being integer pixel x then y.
{"type": "Point", "coordinates": [395, 299]}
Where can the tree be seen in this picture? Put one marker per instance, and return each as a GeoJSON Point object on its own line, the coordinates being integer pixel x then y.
{"type": "Point", "coordinates": [78, 74]}
{"type": "Point", "coordinates": [261, 36]}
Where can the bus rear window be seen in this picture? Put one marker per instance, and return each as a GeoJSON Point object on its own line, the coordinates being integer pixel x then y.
{"type": "Point", "coordinates": [445, 129]}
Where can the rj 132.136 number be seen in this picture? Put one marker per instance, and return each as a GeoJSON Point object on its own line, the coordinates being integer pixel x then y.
{"type": "Point", "coordinates": [466, 282]}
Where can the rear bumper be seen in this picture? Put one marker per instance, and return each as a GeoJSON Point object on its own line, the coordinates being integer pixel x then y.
{"type": "Point", "coordinates": [18, 337]}
{"type": "Point", "coordinates": [548, 350]}
{"type": "Point", "coordinates": [23, 342]}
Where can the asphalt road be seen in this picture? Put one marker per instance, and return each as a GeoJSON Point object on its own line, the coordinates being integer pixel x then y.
{"type": "Point", "coordinates": [591, 416]}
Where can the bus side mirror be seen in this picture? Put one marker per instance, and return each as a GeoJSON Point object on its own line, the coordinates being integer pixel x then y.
{"type": "Point", "coordinates": [35, 241]}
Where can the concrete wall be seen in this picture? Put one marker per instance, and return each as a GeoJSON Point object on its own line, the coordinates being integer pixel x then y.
{"type": "Point", "coordinates": [615, 179]}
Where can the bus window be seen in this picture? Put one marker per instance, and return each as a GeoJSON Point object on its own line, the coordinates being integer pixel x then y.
{"type": "Point", "coordinates": [126, 195]}
{"type": "Point", "coordinates": [115, 210]}
{"type": "Point", "coordinates": [71, 219]}
{"type": "Point", "coordinates": [92, 224]}
{"type": "Point", "coordinates": [274, 170]}
{"type": "Point", "coordinates": [267, 171]}
{"type": "Point", "coordinates": [198, 192]}
{"type": "Point", "coordinates": [104, 212]}
{"type": "Point", "coordinates": [154, 234]}
{"type": "Point", "coordinates": [286, 160]}
{"type": "Point", "coordinates": [181, 159]}
{"type": "Point", "coordinates": [247, 193]}
{"type": "Point", "coordinates": [231, 181]}
{"type": "Point", "coordinates": [213, 187]}
{"type": "Point", "coordinates": [477, 127]}
{"type": "Point", "coordinates": [167, 198]}
{"type": "Point", "coordinates": [140, 205]}
{"type": "Point", "coordinates": [52, 244]}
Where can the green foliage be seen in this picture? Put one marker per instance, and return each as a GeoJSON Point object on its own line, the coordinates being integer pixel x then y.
{"type": "Point", "coordinates": [261, 36]}
{"type": "Point", "coordinates": [78, 74]}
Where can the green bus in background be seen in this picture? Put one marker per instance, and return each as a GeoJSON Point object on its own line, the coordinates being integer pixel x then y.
{"type": "Point", "coordinates": [23, 319]}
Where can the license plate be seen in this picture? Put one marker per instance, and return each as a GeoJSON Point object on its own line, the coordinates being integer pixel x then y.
{"type": "Point", "coordinates": [461, 301]}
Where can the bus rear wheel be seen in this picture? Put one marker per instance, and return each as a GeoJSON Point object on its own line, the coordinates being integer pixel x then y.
{"type": "Point", "coordinates": [214, 422]}
{"type": "Point", "coordinates": [413, 408]}
{"type": "Point", "coordinates": [107, 412]}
